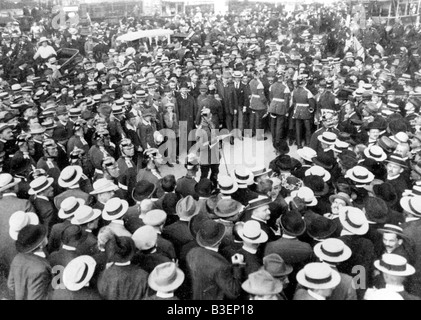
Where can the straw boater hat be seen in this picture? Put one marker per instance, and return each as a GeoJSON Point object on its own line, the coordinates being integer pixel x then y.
{"type": "Point", "coordinates": [243, 177]}
{"type": "Point", "coordinates": [78, 272]}
{"type": "Point", "coordinates": [7, 181]}
{"type": "Point", "coordinates": [412, 205]}
{"type": "Point", "coordinates": [252, 232]}
{"type": "Point", "coordinates": [307, 154]}
{"type": "Point", "coordinates": [260, 201]}
{"type": "Point", "coordinates": [395, 265]}
{"type": "Point", "coordinates": [69, 206]}
{"type": "Point", "coordinates": [328, 138]}
{"type": "Point", "coordinates": [391, 228]}
{"type": "Point", "coordinates": [85, 214]}
{"type": "Point", "coordinates": [70, 176]}
{"type": "Point", "coordinates": [262, 283]}
{"type": "Point", "coordinates": [382, 295]}
{"type": "Point", "coordinates": [319, 171]}
{"type": "Point", "coordinates": [332, 250]}
{"type": "Point", "coordinates": [19, 220]}
{"type": "Point", "coordinates": [260, 171]}
{"type": "Point", "coordinates": [318, 276]}
{"type": "Point", "coordinates": [103, 185]}
{"type": "Point", "coordinates": [307, 195]}
{"type": "Point", "coordinates": [227, 185]}
{"type": "Point", "coordinates": [360, 175]}
{"type": "Point", "coordinates": [166, 277]}
{"type": "Point", "coordinates": [114, 209]}
{"type": "Point", "coordinates": [40, 184]}
{"type": "Point", "coordinates": [375, 153]}
{"type": "Point", "coordinates": [354, 220]}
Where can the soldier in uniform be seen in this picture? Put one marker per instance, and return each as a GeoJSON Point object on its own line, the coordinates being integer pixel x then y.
{"type": "Point", "coordinates": [257, 104]}
{"type": "Point", "coordinates": [279, 98]}
{"type": "Point", "coordinates": [303, 104]}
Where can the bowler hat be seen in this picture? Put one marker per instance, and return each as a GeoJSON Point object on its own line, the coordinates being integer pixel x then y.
{"type": "Point", "coordinates": [73, 235]}
{"type": "Point", "coordinates": [30, 237]}
{"type": "Point", "coordinates": [317, 184]}
{"type": "Point", "coordinates": [145, 238]}
{"type": "Point", "coordinates": [119, 249]}
{"type": "Point", "coordinates": [143, 190]}
{"type": "Point", "coordinates": [252, 232]}
{"type": "Point", "coordinates": [293, 223]}
{"type": "Point", "coordinates": [387, 192]}
{"type": "Point", "coordinates": [376, 210]}
{"type": "Point", "coordinates": [204, 188]}
{"type": "Point", "coordinates": [319, 227]}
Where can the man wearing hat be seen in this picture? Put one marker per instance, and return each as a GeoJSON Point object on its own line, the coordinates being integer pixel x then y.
{"type": "Point", "coordinates": [411, 228]}
{"type": "Point", "coordinates": [71, 237]}
{"type": "Point", "coordinates": [186, 185]}
{"type": "Point", "coordinates": [178, 232]}
{"type": "Point", "coordinates": [49, 161]}
{"type": "Point", "coordinates": [244, 178]}
{"type": "Point", "coordinates": [394, 241]}
{"type": "Point", "coordinates": [257, 105]}
{"type": "Point", "coordinates": [396, 166]}
{"type": "Point", "coordinates": [7, 142]}
{"type": "Point", "coordinates": [42, 189]}
{"type": "Point", "coordinates": [261, 285]}
{"type": "Point", "coordinates": [71, 179]}
{"type": "Point", "coordinates": [64, 128]}
{"type": "Point", "coordinates": [213, 277]}
{"type": "Point", "coordinates": [147, 256]}
{"type": "Point", "coordinates": [332, 252]}
{"type": "Point", "coordinates": [303, 105]}
{"type": "Point", "coordinates": [101, 148]}
{"type": "Point", "coordinates": [77, 140]}
{"type": "Point", "coordinates": [77, 276]}
{"type": "Point", "coordinates": [165, 279]}
{"type": "Point", "coordinates": [9, 204]}
{"type": "Point", "coordinates": [279, 98]}
{"type": "Point", "coordinates": [395, 270]}
{"type": "Point", "coordinates": [122, 280]}
{"type": "Point", "coordinates": [253, 237]}
{"type": "Point", "coordinates": [355, 226]}
{"type": "Point", "coordinates": [30, 272]}
{"type": "Point", "coordinates": [319, 281]}
{"type": "Point", "coordinates": [259, 210]}
{"type": "Point", "coordinates": [187, 109]}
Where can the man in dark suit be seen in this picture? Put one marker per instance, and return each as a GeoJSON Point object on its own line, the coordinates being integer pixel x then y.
{"type": "Point", "coordinates": [242, 96]}
{"type": "Point", "coordinates": [212, 276]}
{"type": "Point", "coordinates": [30, 272]}
{"type": "Point", "coordinates": [9, 204]}
{"type": "Point", "coordinates": [411, 229]}
{"type": "Point", "coordinates": [229, 101]}
{"type": "Point", "coordinates": [42, 188]}
{"type": "Point", "coordinates": [122, 281]}
{"type": "Point", "coordinates": [179, 233]}
{"type": "Point", "coordinates": [258, 210]}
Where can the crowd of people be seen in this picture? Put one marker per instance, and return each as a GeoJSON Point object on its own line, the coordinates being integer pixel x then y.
{"type": "Point", "coordinates": [86, 213]}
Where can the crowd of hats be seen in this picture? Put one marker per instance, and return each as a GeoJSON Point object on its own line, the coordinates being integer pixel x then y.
{"type": "Point", "coordinates": [346, 182]}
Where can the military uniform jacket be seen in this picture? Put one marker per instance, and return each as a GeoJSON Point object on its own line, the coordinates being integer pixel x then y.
{"type": "Point", "coordinates": [303, 103]}
{"type": "Point", "coordinates": [279, 96]}
{"type": "Point", "coordinates": [258, 99]}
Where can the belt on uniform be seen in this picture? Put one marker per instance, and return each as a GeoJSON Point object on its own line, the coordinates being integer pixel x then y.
{"type": "Point", "coordinates": [255, 96]}
{"type": "Point", "coordinates": [302, 105]}
{"type": "Point", "coordinates": [278, 99]}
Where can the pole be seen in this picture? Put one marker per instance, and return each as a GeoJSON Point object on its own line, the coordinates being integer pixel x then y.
{"type": "Point", "coordinates": [223, 157]}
